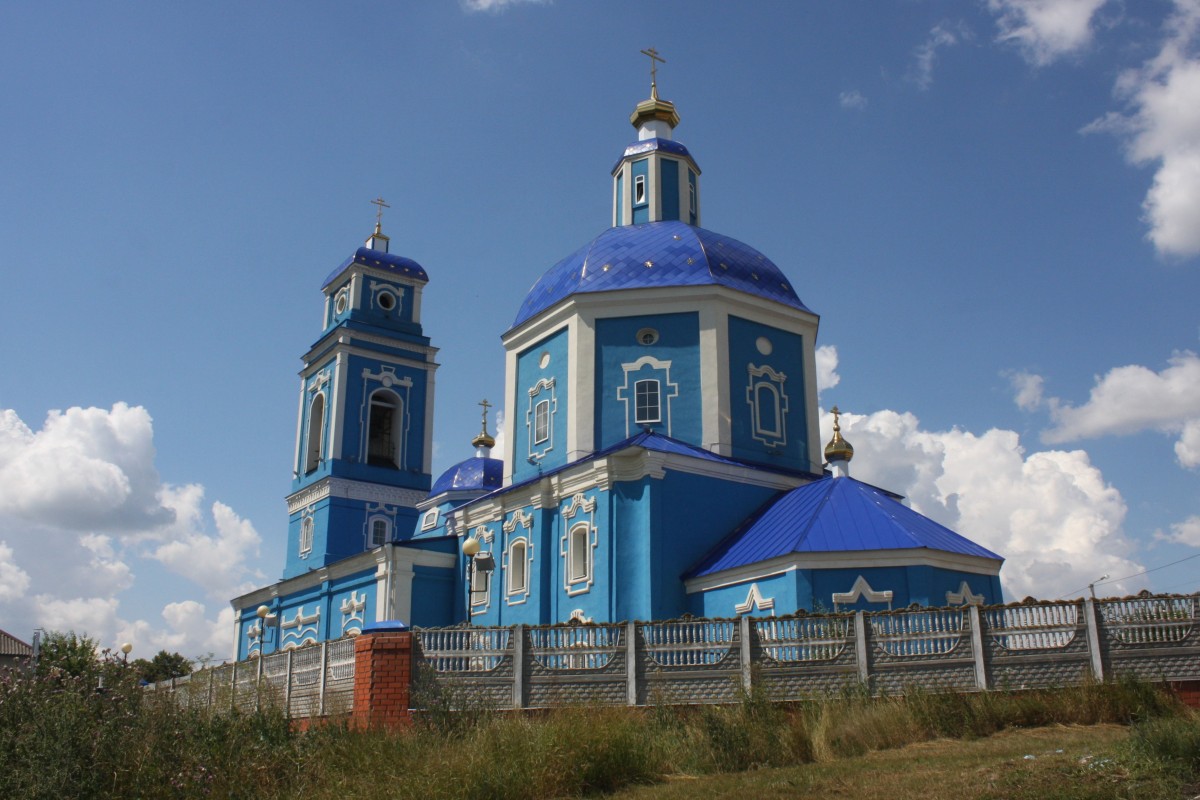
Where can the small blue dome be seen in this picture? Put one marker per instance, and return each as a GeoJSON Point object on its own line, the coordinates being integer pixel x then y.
{"type": "Point", "coordinates": [474, 474]}
{"type": "Point", "coordinates": [659, 254]}
{"type": "Point", "coordinates": [380, 260]}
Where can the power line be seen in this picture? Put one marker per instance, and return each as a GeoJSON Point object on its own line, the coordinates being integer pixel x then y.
{"type": "Point", "coordinates": [1135, 575]}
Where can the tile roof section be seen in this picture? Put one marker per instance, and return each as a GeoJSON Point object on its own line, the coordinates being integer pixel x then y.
{"type": "Point", "coordinates": [829, 516]}
{"type": "Point", "coordinates": [12, 646]}
{"type": "Point", "coordinates": [475, 473]}
{"type": "Point", "coordinates": [650, 145]}
{"type": "Point", "coordinates": [658, 254]}
{"type": "Point", "coordinates": [388, 262]}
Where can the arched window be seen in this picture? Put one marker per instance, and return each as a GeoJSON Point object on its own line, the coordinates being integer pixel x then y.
{"type": "Point", "coordinates": [306, 535]}
{"type": "Point", "coordinates": [766, 397]}
{"type": "Point", "coordinates": [379, 532]}
{"type": "Point", "coordinates": [316, 433]}
{"type": "Point", "coordinates": [518, 567]}
{"type": "Point", "coordinates": [579, 554]}
{"type": "Point", "coordinates": [383, 430]}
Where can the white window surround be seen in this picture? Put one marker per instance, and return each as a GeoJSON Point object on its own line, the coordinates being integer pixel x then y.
{"type": "Point", "coordinates": [399, 387]}
{"type": "Point", "coordinates": [541, 421]}
{"type": "Point", "coordinates": [306, 536]}
{"type": "Point", "coordinates": [517, 567]}
{"type": "Point", "coordinates": [315, 440]}
{"type": "Point", "coordinates": [379, 529]}
{"type": "Point", "coordinates": [578, 545]}
{"type": "Point", "coordinates": [539, 448]}
{"type": "Point", "coordinates": [518, 594]}
{"type": "Point", "coordinates": [768, 405]}
{"type": "Point", "coordinates": [636, 372]}
{"type": "Point", "coordinates": [639, 190]}
{"type": "Point", "coordinates": [429, 520]}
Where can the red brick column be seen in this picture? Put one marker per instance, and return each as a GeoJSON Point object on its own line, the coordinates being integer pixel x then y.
{"type": "Point", "coordinates": [1188, 692]}
{"type": "Point", "coordinates": [382, 678]}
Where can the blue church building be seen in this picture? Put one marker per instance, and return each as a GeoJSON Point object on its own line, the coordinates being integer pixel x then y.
{"type": "Point", "coordinates": [661, 457]}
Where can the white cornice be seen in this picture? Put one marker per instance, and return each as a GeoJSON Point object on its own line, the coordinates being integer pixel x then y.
{"type": "Point", "coordinates": [405, 557]}
{"type": "Point", "coordinates": [374, 272]}
{"type": "Point", "coordinates": [844, 559]}
{"type": "Point", "coordinates": [354, 490]}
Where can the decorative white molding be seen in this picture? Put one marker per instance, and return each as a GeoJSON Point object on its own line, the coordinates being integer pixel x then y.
{"type": "Point", "coordinates": [963, 597]}
{"type": "Point", "coordinates": [516, 597]}
{"type": "Point", "coordinates": [429, 520]}
{"type": "Point", "coordinates": [754, 599]}
{"type": "Point", "coordinates": [862, 589]}
{"type": "Point", "coordinates": [578, 616]}
{"type": "Point", "coordinates": [301, 619]}
{"type": "Point", "coordinates": [352, 609]}
{"type": "Point", "coordinates": [579, 504]}
{"type": "Point", "coordinates": [353, 490]}
{"type": "Point", "coordinates": [668, 390]}
{"type": "Point", "coordinates": [768, 379]}
{"type": "Point", "coordinates": [519, 517]}
{"type": "Point", "coordinates": [547, 385]}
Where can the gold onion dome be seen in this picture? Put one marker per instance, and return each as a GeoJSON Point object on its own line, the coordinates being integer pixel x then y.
{"type": "Point", "coordinates": [654, 108]}
{"type": "Point", "coordinates": [838, 448]}
{"type": "Point", "coordinates": [483, 438]}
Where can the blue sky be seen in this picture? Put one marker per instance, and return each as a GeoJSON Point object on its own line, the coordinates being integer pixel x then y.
{"type": "Point", "coordinates": [994, 207]}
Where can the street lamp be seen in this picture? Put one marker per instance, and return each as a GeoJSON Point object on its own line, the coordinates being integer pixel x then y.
{"type": "Point", "coordinates": [266, 620]}
{"type": "Point", "coordinates": [126, 649]}
{"type": "Point", "coordinates": [477, 564]}
{"type": "Point", "coordinates": [1092, 585]}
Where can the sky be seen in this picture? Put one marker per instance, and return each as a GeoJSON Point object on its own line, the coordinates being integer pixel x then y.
{"type": "Point", "coordinates": [994, 206]}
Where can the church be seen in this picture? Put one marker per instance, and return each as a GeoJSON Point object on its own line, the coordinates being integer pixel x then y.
{"type": "Point", "coordinates": [661, 458]}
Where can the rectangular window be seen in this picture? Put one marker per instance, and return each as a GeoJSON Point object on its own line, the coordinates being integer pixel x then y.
{"type": "Point", "coordinates": [639, 190]}
{"type": "Point", "coordinates": [578, 555]}
{"type": "Point", "coordinates": [306, 535]}
{"type": "Point", "coordinates": [518, 568]}
{"type": "Point", "coordinates": [541, 421]}
{"type": "Point", "coordinates": [378, 532]}
{"type": "Point", "coordinates": [430, 520]}
{"type": "Point", "coordinates": [646, 402]}
{"type": "Point", "coordinates": [481, 582]}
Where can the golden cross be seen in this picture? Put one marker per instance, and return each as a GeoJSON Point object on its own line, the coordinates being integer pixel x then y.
{"type": "Point", "coordinates": [653, 66]}
{"type": "Point", "coordinates": [486, 405]}
{"type": "Point", "coordinates": [379, 212]}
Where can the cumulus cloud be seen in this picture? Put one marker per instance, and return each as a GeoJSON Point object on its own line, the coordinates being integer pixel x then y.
{"type": "Point", "coordinates": [852, 99]}
{"type": "Point", "coordinates": [1162, 127]}
{"type": "Point", "coordinates": [496, 6]}
{"type": "Point", "coordinates": [1045, 30]}
{"type": "Point", "coordinates": [1134, 398]}
{"type": "Point", "coordinates": [501, 443]}
{"type": "Point", "coordinates": [83, 511]}
{"type": "Point", "coordinates": [1186, 532]}
{"type": "Point", "coordinates": [827, 361]}
{"type": "Point", "coordinates": [944, 34]}
{"type": "Point", "coordinates": [1050, 514]}
{"type": "Point", "coordinates": [1029, 389]}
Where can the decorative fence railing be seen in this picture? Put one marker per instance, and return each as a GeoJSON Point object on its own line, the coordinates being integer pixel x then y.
{"type": "Point", "coordinates": [972, 648]}
{"type": "Point", "coordinates": [313, 681]}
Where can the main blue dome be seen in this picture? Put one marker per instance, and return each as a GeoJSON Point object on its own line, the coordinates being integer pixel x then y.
{"type": "Point", "coordinates": [655, 255]}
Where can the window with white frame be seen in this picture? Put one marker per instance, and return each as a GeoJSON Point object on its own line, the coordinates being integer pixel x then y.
{"type": "Point", "coordinates": [379, 532]}
{"type": "Point", "coordinates": [481, 585]}
{"type": "Point", "coordinates": [316, 433]}
{"type": "Point", "coordinates": [306, 535]}
{"type": "Point", "coordinates": [639, 189]}
{"type": "Point", "coordinates": [518, 567]}
{"type": "Point", "coordinates": [383, 430]}
{"type": "Point", "coordinates": [430, 520]}
{"type": "Point", "coordinates": [646, 402]}
{"type": "Point", "coordinates": [579, 554]}
{"type": "Point", "coordinates": [541, 421]}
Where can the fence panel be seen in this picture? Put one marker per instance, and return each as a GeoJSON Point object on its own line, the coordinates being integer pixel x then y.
{"type": "Point", "coordinates": [1154, 638]}
{"type": "Point", "coordinates": [930, 648]}
{"type": "Point", "coordinates": [685, 661]}
{"type": "Point", "coordinates": [805, 656]}
{"type": "Point", "coordinates": [464, 667]}
{"type": "Point", "coordinates": [575, 664]}
{"type": "Point", "coordinates": [1038, 644]}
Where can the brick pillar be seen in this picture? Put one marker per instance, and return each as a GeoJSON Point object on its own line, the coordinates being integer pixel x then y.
{"type": "Point", "coordinates": [1188, 692]}
{"type": "Point", "coordinates": [382, 678]}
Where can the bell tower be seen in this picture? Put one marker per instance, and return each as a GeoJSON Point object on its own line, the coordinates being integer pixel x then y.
{"type": "Point", "coordinates": [364, 431]}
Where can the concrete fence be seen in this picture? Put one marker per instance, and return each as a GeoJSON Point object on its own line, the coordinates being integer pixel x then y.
{"type": "Point", "coordinates": [971, 648]}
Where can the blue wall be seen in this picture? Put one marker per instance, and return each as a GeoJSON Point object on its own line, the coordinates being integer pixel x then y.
{"type": "Point", "coordinates": [786, 358]}
{"type": "Point", "coordinates": [530, 373]}
{"type": "Point", "coordinates": [669, 186]}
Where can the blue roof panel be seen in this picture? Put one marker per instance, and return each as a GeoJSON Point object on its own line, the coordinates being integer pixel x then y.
{"type": "Point", "coordinates": [650, 145]}
{"type": "Point", "coordinates": [476, 473]}
{"type": "Point", "coordinates": [659, 254]}
{"type": "Point", "coordinates": [829, 516]}
{"type": "Point", "coordinates": [380, 260]}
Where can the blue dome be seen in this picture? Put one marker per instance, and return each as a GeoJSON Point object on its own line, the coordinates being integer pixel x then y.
{"type": "Point", "coordinates": [380, 260]}
{"type": "Point", "coordinates": [474, 474]}
{"type": "Point", "coordinates": [659, 254]}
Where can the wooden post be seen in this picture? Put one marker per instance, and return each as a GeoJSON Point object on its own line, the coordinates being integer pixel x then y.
{"type": "Point", "coordinates": [1093, 638]}
{"type": "Point", "coordinates": [518, 689]}
{"type": "Point", "coordinates": [860, 648]}
{"type": "Point", "coordinates": [631, 665]}
{"type": "Point", "coordinates": [744, 630]}
{"type": "Point", "coordinates": [981, 679]}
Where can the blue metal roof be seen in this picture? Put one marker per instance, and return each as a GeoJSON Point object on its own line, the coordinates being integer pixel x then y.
{"type": "Point", "coordinates": [829, 516]}
{"type": "Point", "coordinates": [380, 260]}
{"type": "Point", "coordinates": [475, 473]}
{"type": "Point", "coordinates": [650, 145]}
{"type": "Point", "coordinates": [659, 254]}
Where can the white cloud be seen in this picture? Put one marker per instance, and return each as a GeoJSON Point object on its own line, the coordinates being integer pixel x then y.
{"type": "Point", "coordinates": [827, 361]}
{"type": "Point", "coordinates": [498, 449]}
{"type": "Point", "coordinates": [853, 99]}
{"type": "Point", "coordinates": [1186, 532]}
{"type": "Point", "coordinates": [1134, 398]}
{"type": "Point", "coordinates": [1045, 30]}
{"type": "Point", "coordinates": [1050, 514]}
{"type": "Point", "coordinates": [1163, 127]}
{"type": "Point", "coordinates": [215, 561]}
{"type": "Point", "coordinates": [497, 6]}
{"type": "Point", "coordinates": [1029, 389]}
{"type": "Point", "coordinates": [85, 521]}
{"type": "Point", "coordinates": [14, 581]}
{"type": "Point", "coordinates": [944, 34]}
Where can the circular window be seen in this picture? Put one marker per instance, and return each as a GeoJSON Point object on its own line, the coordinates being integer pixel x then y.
{"type": "Point", "coordinates": [544, 361]}
{"type": "Point", "coordinates": [339, 305]}
{"type": "Point", "coordinates": [386, 300]}
{"type": "Point", "coordinates": [647, 336]}
{"type": "Point", "coordinates": [764, 345]}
